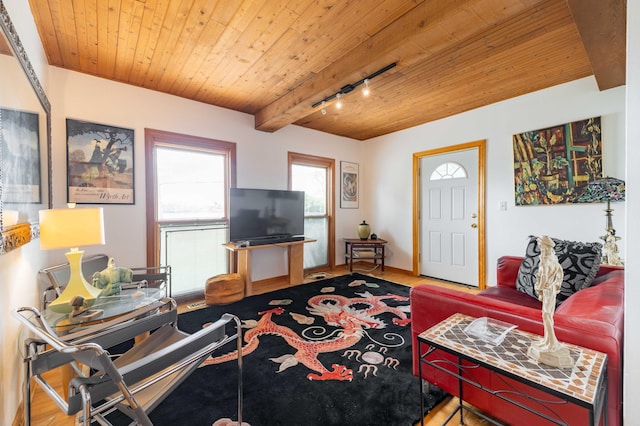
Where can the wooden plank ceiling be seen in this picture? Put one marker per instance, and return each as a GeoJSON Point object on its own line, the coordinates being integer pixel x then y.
{"type": "Point", "coordinates": [275, 58]}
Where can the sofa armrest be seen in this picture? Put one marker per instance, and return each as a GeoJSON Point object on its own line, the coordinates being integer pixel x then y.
{"type": "Point", "coordinates": [508, 267]}
{"type": "Point", "coordinates": [606, 268]}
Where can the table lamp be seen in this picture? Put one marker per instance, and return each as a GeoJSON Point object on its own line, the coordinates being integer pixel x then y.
{"type": "Point", "coordinates": [604, 190]}
{"type": "Point", "coordinates": [72, 228]}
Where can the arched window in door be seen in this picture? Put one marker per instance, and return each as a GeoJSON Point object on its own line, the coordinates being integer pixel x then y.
{"type": "Point", "coordinates": [449, 170]}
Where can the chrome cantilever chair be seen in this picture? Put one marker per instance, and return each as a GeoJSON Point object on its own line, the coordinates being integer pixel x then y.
{"type": "Point", "coordinates": [154, 276]}
{"type": "Point", "coordinates": [135, 382]}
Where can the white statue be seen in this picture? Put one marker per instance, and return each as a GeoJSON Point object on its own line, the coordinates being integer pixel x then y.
{"type": "Point", "coordinates": [610, 250]}
{"type": "Point", "coordinates": [548, 282]}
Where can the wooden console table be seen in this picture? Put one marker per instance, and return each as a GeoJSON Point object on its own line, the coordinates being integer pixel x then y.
{"type": "Point", "coordinates": [355, 248]}
{"type": "Point", "coordinates": [584, 385]}
{"type": "Point", "coordinates": [295, 251]}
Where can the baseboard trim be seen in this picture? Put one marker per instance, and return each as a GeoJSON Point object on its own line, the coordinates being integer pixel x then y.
{"type": "Point", "coordinates": [363, 263]}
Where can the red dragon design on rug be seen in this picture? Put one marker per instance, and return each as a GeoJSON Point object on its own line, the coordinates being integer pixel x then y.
{"type": "Point", "coordinates": [351, 316]}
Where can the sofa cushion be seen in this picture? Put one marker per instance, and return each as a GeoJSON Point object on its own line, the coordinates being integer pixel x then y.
{"type": "Point", "coordinates": [580, 262]}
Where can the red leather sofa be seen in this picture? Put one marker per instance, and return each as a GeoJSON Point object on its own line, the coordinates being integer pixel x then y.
{"type": "Point", "coordinates": [592, 318]}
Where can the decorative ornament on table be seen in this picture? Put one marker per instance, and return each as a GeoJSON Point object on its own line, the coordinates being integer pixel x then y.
{"type": "Point", "coordinates": [364, 230]}
{"type": "Point", "coordinates": [548, 281]}
{"type": "Point", "coordinates": [610, 250]}
{"type": "Point", "coordinates": [110, 279]}
{"type": "Point", "coordinates": [80, 310]}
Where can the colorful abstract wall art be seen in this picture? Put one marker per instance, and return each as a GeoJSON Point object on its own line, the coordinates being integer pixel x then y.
{"type": "Point", "coordinates": [554, 165]}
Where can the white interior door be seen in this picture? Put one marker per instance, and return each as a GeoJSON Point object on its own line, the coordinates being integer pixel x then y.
{"type": "Point", "coordinates": [448, 216]}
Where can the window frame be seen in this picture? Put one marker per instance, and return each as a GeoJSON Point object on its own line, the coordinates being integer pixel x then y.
{"type": "Point", "coordinates": [155, 138]}
{"type": "Point", "coordinates": [330, 165]}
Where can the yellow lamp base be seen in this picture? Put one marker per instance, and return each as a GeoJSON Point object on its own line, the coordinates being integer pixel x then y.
{"type": "Point", "coordinates": [77, 285]}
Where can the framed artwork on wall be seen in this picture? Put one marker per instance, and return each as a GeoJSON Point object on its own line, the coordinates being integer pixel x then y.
{"type": "Point", "coordinates": [100, 167]}
{"type": "Point", "coordinates": [554, 165]}
{"type": "Point", "coordinates": [349, 196]}
{"type": "Point", "coordinates": [20, 139]}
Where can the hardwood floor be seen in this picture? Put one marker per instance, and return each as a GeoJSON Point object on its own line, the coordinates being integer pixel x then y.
{"type": "Point", "coordinates": [46, 413]}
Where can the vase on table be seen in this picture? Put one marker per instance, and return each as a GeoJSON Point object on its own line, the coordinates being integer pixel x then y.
{"type": "Point", "coordinates": [364, 230]}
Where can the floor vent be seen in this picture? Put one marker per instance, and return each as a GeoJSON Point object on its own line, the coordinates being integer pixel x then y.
{"type": "Point", "coordinates": [196, 305]}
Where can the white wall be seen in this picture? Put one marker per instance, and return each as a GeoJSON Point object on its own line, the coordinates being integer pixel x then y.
{"type": "Point", "coordinates": [387, 167]}
{"type": "Point", "coordinates": [632, 269]}
{"type": "Point", "coordinates": [18, 268]}
{"type": "Point", "coordinates": [262, 160]}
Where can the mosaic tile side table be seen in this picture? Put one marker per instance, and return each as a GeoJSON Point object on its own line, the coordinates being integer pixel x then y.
{"type": "Point", "coordinates": [584, 385]}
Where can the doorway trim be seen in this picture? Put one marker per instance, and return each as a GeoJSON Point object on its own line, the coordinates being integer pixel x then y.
{"type": "Point", "coordinates": [480, 145]}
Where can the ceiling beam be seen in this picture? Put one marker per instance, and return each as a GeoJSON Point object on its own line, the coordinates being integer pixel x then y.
{"type": "Point", "coordinates": [393, 44]}
{"type": "Point", "coordinates": [602, 25]}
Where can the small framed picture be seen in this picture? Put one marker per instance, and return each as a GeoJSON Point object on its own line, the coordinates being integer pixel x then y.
{"type": "Point", "coordinates": [349, 185]}
{"type": "Point", "coordinates": [100, 166]}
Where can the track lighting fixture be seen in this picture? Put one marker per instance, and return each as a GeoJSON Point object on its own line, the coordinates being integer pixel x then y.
{"type": "Point", "coordinates": [349, 88]}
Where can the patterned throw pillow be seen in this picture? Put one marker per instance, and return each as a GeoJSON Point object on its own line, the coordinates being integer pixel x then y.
{"type": "Point", "coordinates": [580, 263]}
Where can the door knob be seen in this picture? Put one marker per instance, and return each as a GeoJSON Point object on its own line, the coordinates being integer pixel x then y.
{"type": "Point", "coordinates": [474, 225]}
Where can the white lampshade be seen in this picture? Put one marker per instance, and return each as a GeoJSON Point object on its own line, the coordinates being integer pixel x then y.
{"type": "Point", "coordinates": [71, 228]}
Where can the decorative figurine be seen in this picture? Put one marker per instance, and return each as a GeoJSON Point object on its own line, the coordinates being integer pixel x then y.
{"type": "Point", "coordinates": [610, 250]}
{"type": "Point", "coordinates": [548, 282]}
{"type": "Point", "coordinates": [81, 311]}
{"type": "Point", "coordinates": [111, 278]}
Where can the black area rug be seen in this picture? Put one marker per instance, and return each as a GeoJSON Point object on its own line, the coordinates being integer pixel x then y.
{"type": "Point", "coordinates": [332, 352]}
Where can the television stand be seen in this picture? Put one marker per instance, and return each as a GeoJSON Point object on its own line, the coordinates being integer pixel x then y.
{"type": "Point", "coordinates": [295, 251]}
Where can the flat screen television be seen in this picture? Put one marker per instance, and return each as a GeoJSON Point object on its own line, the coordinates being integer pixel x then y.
{"type": "Point", "coordinates": [264, 216]}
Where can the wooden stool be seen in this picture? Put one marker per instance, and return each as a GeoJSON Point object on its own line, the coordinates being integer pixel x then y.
{"type": "Point", "coordinates": [224, 288]}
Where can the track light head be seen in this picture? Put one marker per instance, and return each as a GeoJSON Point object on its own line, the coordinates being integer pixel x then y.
{"type": "Point", "coordinates": [339, 101]}
{"type": "Point", "coordinates": [365, 89]}
{"type": "Point", "coordinates": [324, 109]}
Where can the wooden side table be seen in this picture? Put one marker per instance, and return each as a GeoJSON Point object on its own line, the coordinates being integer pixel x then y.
{"type": "Point", "coordinates": [355, 248]}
